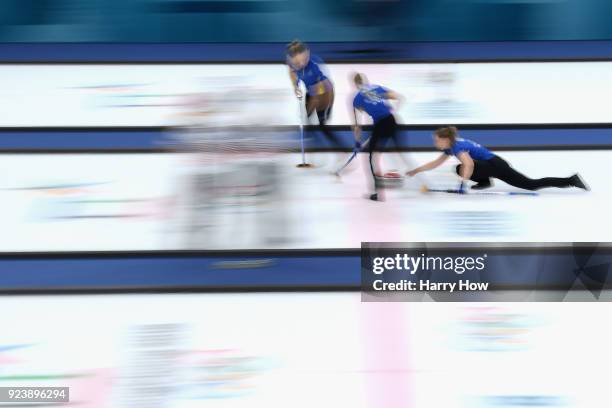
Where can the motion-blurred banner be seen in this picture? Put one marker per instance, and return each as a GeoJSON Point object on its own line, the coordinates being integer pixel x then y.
{"type": "Point", "coordinates": [263, 349]}
{"type": "Point", "coordinates": [231, 199]}
{"type": "Point", "coordinates": [481, 272]}
{"type": "Point", "coordinates": [157, 95]}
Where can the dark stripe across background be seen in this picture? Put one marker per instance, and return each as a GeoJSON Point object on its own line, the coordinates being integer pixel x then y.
{"type": "Point", "coordinates": [509, 266]}
{"type": "Point", "coordinates": [497, 137]}
{"type": "Point", "coordinates": [331, 52]}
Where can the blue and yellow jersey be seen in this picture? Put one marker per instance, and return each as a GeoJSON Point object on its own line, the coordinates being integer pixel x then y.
{"type": "Point", "coordinates": [372, 100]}
{"type": "Point", "coordinates": [313, 77]}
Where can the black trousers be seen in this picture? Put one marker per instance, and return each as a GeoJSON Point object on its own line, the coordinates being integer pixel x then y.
{"type": "Point", "coordinates": [383, 131]}
{"type": "Point", "coordinates": [323, 104]}
{"type": "Point", "coordinates": [498, 168]}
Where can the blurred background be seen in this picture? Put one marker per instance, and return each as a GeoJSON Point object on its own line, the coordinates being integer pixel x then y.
{"type": "Point", "coordinates": [317, 20]}
{"type": "Point", "coordinates": [161, 249]}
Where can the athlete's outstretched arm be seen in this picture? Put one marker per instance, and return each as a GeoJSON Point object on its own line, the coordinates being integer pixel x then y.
{"type": "Point", "coordinates": [356, 127]}
{"type": "Point", "coordinates": [428, 166]}
{"type": "Point", "coordinates": [395, 97]}
{"type": "Point", "coordinates": [294, 82]}
{"type": "Point", "coordinates": [467, 165]}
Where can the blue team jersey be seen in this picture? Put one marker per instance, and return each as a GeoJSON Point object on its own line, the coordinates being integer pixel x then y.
{"type": "Point", "coordinates": [312, 76]}
{"type": "Point", "coordinates": [371, 99]}
{"type": "Point", "coordinates": [476, 151]}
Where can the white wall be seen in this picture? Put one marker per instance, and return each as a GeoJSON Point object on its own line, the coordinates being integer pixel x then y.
{"type": "Point", "coordinates": [149, 95]}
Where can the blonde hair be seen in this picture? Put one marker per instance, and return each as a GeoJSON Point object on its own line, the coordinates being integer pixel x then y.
{"type": "Point", "coordinates": [296, 47]}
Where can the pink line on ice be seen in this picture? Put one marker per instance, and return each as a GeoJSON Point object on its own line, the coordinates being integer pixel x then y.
{"type": "Point", "coordinates": [387, 354]}
{"type": "Point", "coordinates": [94, 390]}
